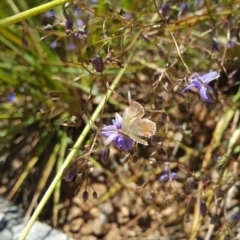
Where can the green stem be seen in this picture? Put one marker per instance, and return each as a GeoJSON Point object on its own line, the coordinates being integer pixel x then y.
{"type": "Point", "coordinates": [74, 150]}
{"type": "Point", "coordinates": [31, 12]}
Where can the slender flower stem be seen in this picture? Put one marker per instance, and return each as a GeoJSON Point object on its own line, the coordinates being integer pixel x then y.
{"type": "Point", "coordinates": [74, 150]}
{"type": "Point", "coordinates": [31, 12]}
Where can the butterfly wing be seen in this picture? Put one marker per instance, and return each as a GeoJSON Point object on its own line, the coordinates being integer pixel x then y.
{"type": "Point", "coordinates": [143, 128]}
{"type": "Point", "coordinates": [133, 112]}
{"type": "Point", "coordinates": [135, 127]}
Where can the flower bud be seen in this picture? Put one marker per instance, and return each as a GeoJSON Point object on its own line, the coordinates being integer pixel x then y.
{"type": "Point", "coordinates": [203, 209]}
{"type": "Point", "coordinates": [165, 9]}
{"type": "Point", "coordinates": [68, 174]}
{"type": "Point", "coordinates": [105, 155]}
{"type": "Point", "coordinates": [235, 217]}
{"type": "Point", "coordinates": [97, 63]}
{"type": "Point", "coordinates": [69, 24]}
{"type": "Point", "coordinates": [163, 178]}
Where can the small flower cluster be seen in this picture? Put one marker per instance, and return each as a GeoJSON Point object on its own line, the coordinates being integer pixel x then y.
{"type": "Point", "coordinates": [168, 174]}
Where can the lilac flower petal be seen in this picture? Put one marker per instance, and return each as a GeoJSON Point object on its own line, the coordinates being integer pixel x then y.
{"type": "Point", "coordinates": [174, 176]}
{"type": "Point", "coordinates": [118, 121]}
{"type": "Point", "coordinates": [192, 85]}
{"type": "Point", "coordinates": [206, 78]}
{"type": "Point", "coordinates": [79, 23]}
{"type": "Point", "coordinates": [164, 178]}
{"type": "Point", "coordinates": [203, 94]}
{"type": "Point", "coordinates": [166, 168]}
{"type": "Point", "coordinates": [108, 130]}
{"type": "Point", "coordinates": [123, 142]}
{"type": "Point", "coordinates": [111, 138]}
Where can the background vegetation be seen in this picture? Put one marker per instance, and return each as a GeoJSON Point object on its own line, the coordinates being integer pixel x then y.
{"type": "Point", "coordinates": [149, 49]}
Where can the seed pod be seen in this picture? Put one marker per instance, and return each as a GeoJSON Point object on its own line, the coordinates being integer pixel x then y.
{"type": "Point", "coordinates": [95, 195]}
{"type": "Point", "coordinates": [105, 155]}
{"type": "Point", "coordinates": [97, 63]}
{"type": "Point", "coordinates": [69, 25]}
{"type": "Point", "coordinates": [85, 196]}
{"type": "Point", "coordinates": [203, 209]}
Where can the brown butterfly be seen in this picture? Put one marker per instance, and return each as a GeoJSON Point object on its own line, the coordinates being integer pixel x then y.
{"type": "Point", "coordinates": [136, 127]}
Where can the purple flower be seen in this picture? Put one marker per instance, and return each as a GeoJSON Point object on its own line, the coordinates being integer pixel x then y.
{"type": "Point", "coordinates": [71, 47]}
{"type": "Point", "coordinates": [201, 83]}
{"type": "Point", "coordinates": [80, 23]}
{"type": "Point", "coordinates": [235, 217]}
{"type": "Point", "coordinates": [112, 134]}
{"type": "Point", "coordinates": [167, 176]}
{"type": "Point", "coordinates": [165, 9]}
{"type": "Point", "coordinates": [53, 45]}
{"type": "Point", "coordinates": [203, 209]}
{"type": "Point", "coordinates": [11, 97]}
{"type": "Point", "coordinates": [49, 14]}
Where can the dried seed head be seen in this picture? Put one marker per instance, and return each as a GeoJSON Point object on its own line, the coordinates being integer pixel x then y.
{"type": "Point", "coordinates": [85, 196]}
{"type": "Point", "coordinates": [91, 169]}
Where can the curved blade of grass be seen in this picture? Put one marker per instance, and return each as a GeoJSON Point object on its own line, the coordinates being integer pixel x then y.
{"type": "Point", "coordinates": [74, 149]}
{"type": "Point", "coordinates": [31, 12]}
{"type": "Point", "coordinates": [56, 195]}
